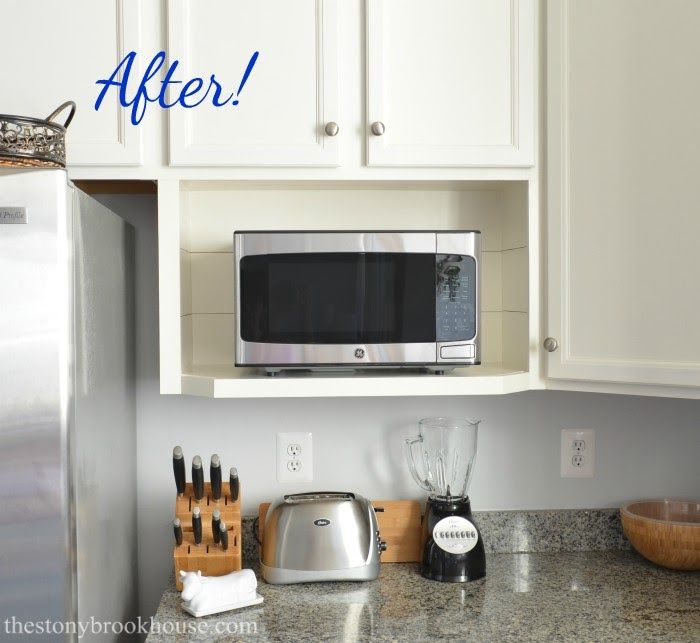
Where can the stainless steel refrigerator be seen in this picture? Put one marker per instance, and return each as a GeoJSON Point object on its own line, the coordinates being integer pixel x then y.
{"type": "Point", "coordinates": [67, 413]}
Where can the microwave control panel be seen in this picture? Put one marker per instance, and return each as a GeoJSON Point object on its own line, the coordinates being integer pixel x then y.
{"type": "Point", "coordinates": [455, 300]}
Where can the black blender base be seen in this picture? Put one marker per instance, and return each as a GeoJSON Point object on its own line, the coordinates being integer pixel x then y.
{"type": "Point", "coordinates": [439, 564]}
{"type": "Point", "coordinates": [452, 579]}
{"type": "Point", "coordinates": [449, 568]}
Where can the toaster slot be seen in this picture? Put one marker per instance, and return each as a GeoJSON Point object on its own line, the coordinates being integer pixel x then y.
{"type": "Point", "coordinates": [322, 495]}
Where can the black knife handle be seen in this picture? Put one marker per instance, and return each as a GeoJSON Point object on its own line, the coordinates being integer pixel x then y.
{"type": "Point", "coordinates": [215, 477]}
{"type": "Point", "coordinates": [177, 529]}
{"type": "Point", "coordinates": [215, 522]}
{"type": "Point", "coordinates": [233, 484]}
{"type": "Point", "coordinates": [197, 525]}
{"type": "Point", "coordinates": [179, 470]}
{"type": "Point", "coordinates": [197, 478]}
{"type": "Point", "coordinates": [223, 535]}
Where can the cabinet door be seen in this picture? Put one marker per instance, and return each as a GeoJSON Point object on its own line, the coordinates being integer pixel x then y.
{"type": "Point", "coordinates": [451, 82]}
{"type": "Point", "coordinates": [623, 216]}
{"type": "Point", "coordinates": [55, 52]}
{"type": "Point", "coordinates": [289, 97]}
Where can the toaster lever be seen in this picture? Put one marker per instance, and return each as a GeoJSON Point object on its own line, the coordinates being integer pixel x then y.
{"type": "Point", "coordinates": [378, 510]}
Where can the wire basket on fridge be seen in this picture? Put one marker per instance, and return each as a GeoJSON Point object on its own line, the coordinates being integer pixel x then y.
{"type": "Point", "coordinates": [34, 142]}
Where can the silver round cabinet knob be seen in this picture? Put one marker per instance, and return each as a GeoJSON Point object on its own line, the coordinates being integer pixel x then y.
{"type": "Point", "coordinates": [377, 128]}
{"type": "Point", "coordinates": [550, 344]}
{"type": "Point", "coordinates": [331, 129]}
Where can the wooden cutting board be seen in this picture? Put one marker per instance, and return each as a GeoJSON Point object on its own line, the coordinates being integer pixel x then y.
{"type": "Point", "coordinates": [399, 526]}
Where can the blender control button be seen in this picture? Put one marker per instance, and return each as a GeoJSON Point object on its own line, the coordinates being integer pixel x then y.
{"type": "Point", "coordinates": [461, 351]}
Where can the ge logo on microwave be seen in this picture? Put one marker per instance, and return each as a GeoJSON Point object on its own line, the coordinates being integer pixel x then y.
{"type": "Point", "coordinates": [359, 353]}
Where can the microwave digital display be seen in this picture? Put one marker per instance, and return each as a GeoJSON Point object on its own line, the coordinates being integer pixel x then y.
{"type": "Point", "coordinates": [455, 316]}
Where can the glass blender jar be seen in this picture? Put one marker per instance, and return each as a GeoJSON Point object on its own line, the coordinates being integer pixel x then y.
{"type": "Point", "coordinates": [441, 461]}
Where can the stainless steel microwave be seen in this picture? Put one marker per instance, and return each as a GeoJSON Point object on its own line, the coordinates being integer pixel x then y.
{"type": "Point", "coordinates": [322, 299]}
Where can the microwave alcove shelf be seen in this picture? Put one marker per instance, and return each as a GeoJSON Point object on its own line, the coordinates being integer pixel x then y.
{"type": "Point", "coordinates": [197, 304]}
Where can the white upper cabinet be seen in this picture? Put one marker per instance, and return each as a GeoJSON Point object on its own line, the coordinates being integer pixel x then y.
{"type": "Point", "coordinates": [450, 82]}
{"type": "Point", "coordinates": [53, 52]}
{"type": "Point", "coordinates": [290, 99]}
{"type": "Point", "coordinates": [623, 214]}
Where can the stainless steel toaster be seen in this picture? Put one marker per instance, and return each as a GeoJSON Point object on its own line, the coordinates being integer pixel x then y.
{"type": "Point", "coordinates": [321, 536]}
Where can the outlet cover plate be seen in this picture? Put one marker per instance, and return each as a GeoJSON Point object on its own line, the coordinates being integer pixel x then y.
{"type": "Point", "coordinates": [295, 448]}
{"type": "Point", "coordinates": [577, 453]}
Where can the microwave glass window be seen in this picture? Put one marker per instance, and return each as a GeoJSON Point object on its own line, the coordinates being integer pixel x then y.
{"type": "Point", "coordinates": [332, 298]}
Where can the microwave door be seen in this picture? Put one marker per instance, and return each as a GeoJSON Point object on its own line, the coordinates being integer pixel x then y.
{"type": "Point", "coordinates": [337, 308]}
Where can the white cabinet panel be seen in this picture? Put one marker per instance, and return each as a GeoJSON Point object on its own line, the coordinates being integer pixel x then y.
{"type": "Point", "coordinates": [55, 52]}
{"type": "Point", "coordinates": [491, 280]}
{"type": "Point", "coordinates": [515, 280]}
{"type": "Point", "coordinates": [451, 81]}
{"type": "Point", "coordinates": [623, 224]}
{"type": "Point", "coordinates": [212, 282]}
{"type": "Point", "coordinates": [289, 97]}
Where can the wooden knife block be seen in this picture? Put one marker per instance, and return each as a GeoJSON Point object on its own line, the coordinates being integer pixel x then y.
{"type": "Point", "coordinates": [208, 557]}
{"type": "Point", "coordinates": [399, 527]}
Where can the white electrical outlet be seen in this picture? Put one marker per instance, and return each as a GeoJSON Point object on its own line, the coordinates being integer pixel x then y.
{"type": "Point", "coordinates": [294, 457]}
{"type": "Point", "coordinates": [577, 453]}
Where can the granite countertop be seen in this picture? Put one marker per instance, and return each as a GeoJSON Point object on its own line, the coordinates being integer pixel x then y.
{"type": "Point", "coordinates": [574, 596]}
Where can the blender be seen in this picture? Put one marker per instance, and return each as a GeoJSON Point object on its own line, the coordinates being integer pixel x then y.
{"type": "Point", "coordinates": [453, 550]}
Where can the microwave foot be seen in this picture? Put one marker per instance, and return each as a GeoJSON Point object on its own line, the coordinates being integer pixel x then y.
{"type": "Point", "coordinates": [271, 372]}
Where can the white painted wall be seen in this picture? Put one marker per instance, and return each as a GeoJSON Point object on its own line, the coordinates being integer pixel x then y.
{"type": "Point", "coordinates": [645, 446]}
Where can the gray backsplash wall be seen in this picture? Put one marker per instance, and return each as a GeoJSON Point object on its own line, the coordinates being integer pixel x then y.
{"type": "Point", "coordinates": [645, 447]}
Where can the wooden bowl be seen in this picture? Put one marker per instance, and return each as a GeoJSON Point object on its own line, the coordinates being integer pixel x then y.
{"type": "Point", "coordinates": [666, 532]}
